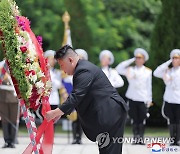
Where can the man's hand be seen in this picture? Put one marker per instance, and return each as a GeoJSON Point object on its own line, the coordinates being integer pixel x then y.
{"type": "Point", "coordinates": [54, 115]}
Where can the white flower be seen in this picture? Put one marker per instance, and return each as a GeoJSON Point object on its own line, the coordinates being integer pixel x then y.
{"type": "Point", "coordinates": [31, 55]}
{"type": "Point", "coordinates": [48, 84]}
{"type": "Point", "coordinates": [39, 84]}
{"type": "Point", "coordinates": [33, 78]}
{"type": "Point", "coordinates": [35, 66]}
{"type": "Point", "coordinates": [37, 102]}
{"type": "Point", "coordinates": [20, 39]}
{"type": "Point", "coordinates": [40, 74]}
{"type": "Point", "coordinates": [40, 90]}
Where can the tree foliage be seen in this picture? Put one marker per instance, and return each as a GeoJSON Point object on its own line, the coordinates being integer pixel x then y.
{"type": "Point", "coordinates": [117, 25]}
{"type": "Point", "coordinates": [46, 20]}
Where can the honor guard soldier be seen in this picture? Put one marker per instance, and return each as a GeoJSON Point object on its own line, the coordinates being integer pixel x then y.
{"type": "Point", "coordinates": [170, 73]}
{"type": "Point", "coordinates": [8, 110]}
{"type": "Point", "coordinates": [106, 58]}
{"type": "Point", "coordinates": [55, 78]}
{"type": "Point", "coordinates": [139, 92]}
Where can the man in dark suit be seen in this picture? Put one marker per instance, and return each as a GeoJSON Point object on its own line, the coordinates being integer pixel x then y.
{"type": "Point", "coordinates": [102, 112]}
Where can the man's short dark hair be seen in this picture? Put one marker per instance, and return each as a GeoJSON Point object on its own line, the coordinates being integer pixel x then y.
{"type": "Point", "coordinates": [62, 52]}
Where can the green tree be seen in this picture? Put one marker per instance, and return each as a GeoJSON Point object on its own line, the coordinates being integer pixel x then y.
{"type": "Point", "coordinates": [134, 21]}
{"type": "Point", "coordinates": [91, 28]}
{"type": "Point", "coordinates": [165, 38]}
{"type": "Point", "coordinates": [80, 31]}
{"type": "Point", "coordinates": [45, 17]}
{"type": "Point", "coordinates": [117, 25]}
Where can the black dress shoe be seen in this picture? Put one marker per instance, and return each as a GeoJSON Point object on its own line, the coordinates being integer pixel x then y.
{"type": "Point", "coordinates": [11, 145]}
{"type": "Point", "coordinates": [78, 142]}
{"type": "Point", "coordinates": [74, 142]}
{"type": "Point", "coordinates": [6, 145]}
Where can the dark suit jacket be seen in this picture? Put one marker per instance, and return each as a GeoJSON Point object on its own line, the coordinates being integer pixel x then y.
{"type": "Point", "coordinates": [97, 102]}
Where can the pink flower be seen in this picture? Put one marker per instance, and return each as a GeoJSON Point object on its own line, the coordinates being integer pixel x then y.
{"type": "Point", "coordinates": [23, 49]}
{"type": "Point", "coordinates": [39, 38]}
{"type": "Point", "coordinates": [21, 23]}
{"type": "Point", "coordinates": [28, 60]}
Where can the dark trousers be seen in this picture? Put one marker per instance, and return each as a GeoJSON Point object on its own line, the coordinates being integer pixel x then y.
{"type": "Point", "coordinates": [116, 132]}
{"type": "Point", "coordinates": [76, 130]}
{"type": "Point", "coordinates": [137, 112]}
{"type": "Point", "coordinates": [172, 111]}
{"type": "Point", "coordinates": [8, 112]}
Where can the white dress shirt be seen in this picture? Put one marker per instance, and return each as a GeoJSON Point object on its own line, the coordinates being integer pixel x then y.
{"type": "Point", "coordinates": [56, 85]}
{"type": "Point", "coordinates": [171, 78]}
{"type": "Point", "coordinates": [140, 81]}
{"type": "Point", "coordinates": [113, 76]}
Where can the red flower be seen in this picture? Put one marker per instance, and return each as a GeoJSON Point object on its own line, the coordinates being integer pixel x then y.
{"type": "Point", "coordinates": [1, 33]}
{"type": "Point", "coordinates": [33, 99]}
{"type": "Point", "coordinates": [27, 73]}
{"type": "Point", "coordinates": [23, 49]}
{"type": "Point", "coordinates": [33, 72]}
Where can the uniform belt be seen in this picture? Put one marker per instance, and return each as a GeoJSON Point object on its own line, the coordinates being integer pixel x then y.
{"type": "Point", "coordinates": [171, 103]}
{"type": "Point", "coordinates": [136, 101]}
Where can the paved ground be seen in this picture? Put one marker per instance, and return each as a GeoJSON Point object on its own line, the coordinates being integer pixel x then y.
{"type": "Point", "coordinates": [61, 146]}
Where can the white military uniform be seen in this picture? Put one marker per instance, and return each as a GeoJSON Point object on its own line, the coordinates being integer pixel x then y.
{"type": "Point", "coordinates": [171, 78]}
{"type": "Point", "coordinates": [56, 81]}
{"type": "Point", "coordinates": [139, 92]}
{"type": "Point", "coordinates": [140, 81]}
{"type": "Point", "coordinates": [113, 76]}
{"type": "Point", "coordinates": [171, 105]}
{"type": "Point", "coordinates": [82, 54]}
{"type": "Point", "coordinates": [56, 85]}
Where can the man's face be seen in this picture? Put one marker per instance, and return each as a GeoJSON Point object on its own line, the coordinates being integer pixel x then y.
{"type": "Point", "coordinates": [67, 65]}
{"type": "Point", "coordinates": [105, 61]}
{"type": "Point", "coordinates": [176, 61]}
{"type": "Point", "coordinates": [140, 60]}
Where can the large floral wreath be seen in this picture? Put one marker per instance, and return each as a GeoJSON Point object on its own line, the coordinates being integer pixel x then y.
{"type": "Point", "coordinates": [29, 72]}
{"type": "Point", "coordinates": [24, 55]}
